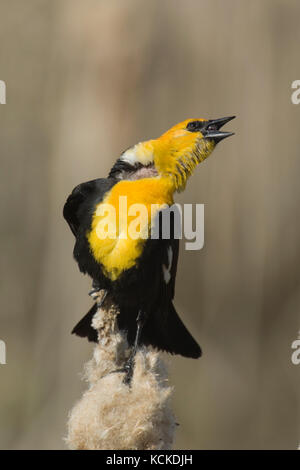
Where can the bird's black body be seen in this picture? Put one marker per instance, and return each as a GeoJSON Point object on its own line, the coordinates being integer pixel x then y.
{"type": "Point", "coordinates": [140, 288]}
{"type": "Point", "coordinates": [139, 275]}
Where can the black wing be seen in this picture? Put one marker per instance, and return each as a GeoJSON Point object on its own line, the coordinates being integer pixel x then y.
{"type": "Point", "coordinates": [164, 329]}
{"type": "Point", "coordinates": [169, 233]}
{"type": "Point", "coordinates": [83, 198]}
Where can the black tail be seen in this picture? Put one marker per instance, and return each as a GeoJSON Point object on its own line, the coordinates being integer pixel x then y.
{"type": "Point", "coordinates": [162, 330]}
{"type": "Point", "coordinates": [167, 332]}
{"type": "Point", "coordinates": [84, 327]}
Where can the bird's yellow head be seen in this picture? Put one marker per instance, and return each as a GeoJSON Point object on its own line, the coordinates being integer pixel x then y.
{"type": "Point", "coordinates": [178, 151]}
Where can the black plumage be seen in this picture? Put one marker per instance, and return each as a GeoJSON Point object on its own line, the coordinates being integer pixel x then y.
{"type": "Point", "coordinates": [140, 288]}
{"type": "Point", "coordinates": [141, 282]}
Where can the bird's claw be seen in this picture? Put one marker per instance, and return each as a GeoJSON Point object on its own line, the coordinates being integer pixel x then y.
{"type": "Point", "coordinates": [127, 370]}
{"type": "Point", "coordinates": [94, 293]}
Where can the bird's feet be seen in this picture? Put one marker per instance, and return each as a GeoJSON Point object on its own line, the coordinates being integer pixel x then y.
{"type": "Point", "coordinates": [127, 370]}
{"type": "Point", "coordinates": [129, 365]}
{"type": "Point", "coordinates": [94, 293]}
{"type": "Point", "coordinates": [97, 293]}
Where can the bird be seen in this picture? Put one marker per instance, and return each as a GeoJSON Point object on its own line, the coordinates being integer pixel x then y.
{"type": "Point", "coordinates": [139, 273]}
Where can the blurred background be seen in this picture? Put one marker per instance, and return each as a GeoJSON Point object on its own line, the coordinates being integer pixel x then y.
{"type": "Point", "coordinates": [86, 80]}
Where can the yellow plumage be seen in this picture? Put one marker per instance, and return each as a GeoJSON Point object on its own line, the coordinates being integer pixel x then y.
{"type": "Point", "coordinates": [174, 156]}
{"type": "Point", "coordinates": [120, 251]}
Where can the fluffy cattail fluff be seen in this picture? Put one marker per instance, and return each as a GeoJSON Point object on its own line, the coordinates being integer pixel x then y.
{"type": "Point", "coordinates": [112, 416]}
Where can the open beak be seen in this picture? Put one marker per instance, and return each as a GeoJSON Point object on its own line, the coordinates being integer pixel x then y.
{"type": "Point", "coordinates": [211, 129]}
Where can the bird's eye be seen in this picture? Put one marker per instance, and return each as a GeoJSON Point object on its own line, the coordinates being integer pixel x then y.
{"type": "Point", "coordinates": [195, 126]}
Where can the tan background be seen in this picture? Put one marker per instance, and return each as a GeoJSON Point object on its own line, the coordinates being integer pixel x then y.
{"type": "Point", "coordinates": [85, 80]}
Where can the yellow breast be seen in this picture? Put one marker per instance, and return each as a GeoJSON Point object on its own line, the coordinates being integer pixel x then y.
{"type": "Point", "coordinates": [122, 222]}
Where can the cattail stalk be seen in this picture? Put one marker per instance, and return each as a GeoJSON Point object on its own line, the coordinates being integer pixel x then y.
{"type": "Point", "coordinates": [111, 415]}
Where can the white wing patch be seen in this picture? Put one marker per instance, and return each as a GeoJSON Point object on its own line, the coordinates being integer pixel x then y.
{"type": "Point", "coordinates": [140, 153]}
{"type": "Point", "coordinates": [167, 269]}
{"type": "Point", "coordinates": [129, 156]}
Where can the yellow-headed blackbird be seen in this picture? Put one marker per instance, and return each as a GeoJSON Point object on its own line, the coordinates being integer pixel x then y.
{"type": "Point", "coordinates": [139, 272]}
